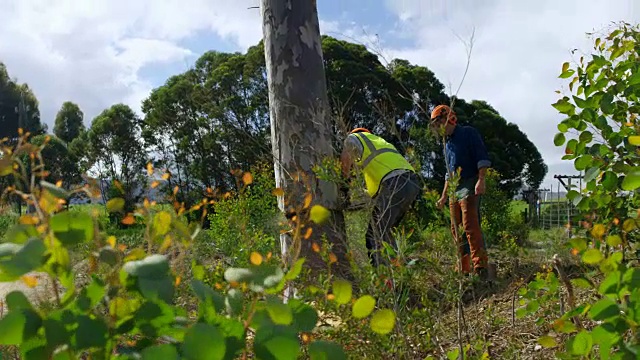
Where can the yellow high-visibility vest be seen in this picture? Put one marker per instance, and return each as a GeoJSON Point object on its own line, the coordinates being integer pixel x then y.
{"type": "Point", "coordinates": [378, 159]}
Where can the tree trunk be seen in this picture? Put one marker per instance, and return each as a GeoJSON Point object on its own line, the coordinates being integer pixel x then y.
{"type": "Point", "coordinates": [301, 126]}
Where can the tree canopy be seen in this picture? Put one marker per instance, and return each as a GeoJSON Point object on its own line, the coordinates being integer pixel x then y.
{"type": "Point", "coordinates": [202, 124]}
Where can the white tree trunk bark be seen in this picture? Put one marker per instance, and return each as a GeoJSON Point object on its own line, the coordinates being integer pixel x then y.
{"type": "Point", "coordinates": [300, 119]}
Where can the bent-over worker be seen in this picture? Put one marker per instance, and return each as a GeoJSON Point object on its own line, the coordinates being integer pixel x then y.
{"type": "Point", "coordinates": [390, 181]}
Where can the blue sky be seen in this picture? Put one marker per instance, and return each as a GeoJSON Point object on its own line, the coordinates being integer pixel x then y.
{"type": "Point", "coordinates": [100, 52]}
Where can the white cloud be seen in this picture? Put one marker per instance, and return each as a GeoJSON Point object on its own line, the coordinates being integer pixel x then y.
{"type": "Point", "coordinates": [91, 52]}
{"type": "Point", "coordinates": [517, 54]}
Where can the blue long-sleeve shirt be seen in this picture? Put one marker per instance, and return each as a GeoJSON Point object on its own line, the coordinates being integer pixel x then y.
{"type": "Point", "coordinates": [465, 149]}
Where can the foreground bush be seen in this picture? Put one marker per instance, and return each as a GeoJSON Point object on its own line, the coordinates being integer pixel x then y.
{"type": "Point", "coordinates": [127, 309]}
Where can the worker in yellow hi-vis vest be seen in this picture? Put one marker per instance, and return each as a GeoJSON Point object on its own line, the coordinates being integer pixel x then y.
{"type": "Point", "coordinates": [390, 181]}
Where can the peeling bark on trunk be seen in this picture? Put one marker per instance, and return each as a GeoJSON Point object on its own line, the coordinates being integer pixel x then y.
{"type": "Point", "coordinates": [300, 122]}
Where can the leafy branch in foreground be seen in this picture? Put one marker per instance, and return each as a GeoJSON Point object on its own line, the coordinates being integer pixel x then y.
{"type": "Point", "coordinates": [127, 309]}
{"type": "Point", "coordinates": [604, 112]}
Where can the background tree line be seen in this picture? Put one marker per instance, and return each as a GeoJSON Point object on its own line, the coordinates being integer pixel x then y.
{"type": "Point", "coordinates": [214, 118]}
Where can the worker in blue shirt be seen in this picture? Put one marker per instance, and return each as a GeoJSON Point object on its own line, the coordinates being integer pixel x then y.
{"type": "Point", "coordinates": [464, 150]}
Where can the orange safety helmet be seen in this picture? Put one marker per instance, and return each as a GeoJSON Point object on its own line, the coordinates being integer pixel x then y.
{"type": "Point", "coordinates": [444, 110]}
{"type": "Point", "coordinates": [360, 129]}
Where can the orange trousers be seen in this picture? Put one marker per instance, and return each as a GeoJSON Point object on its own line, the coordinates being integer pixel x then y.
{"type": "Point", "coordinates": [470, 244]}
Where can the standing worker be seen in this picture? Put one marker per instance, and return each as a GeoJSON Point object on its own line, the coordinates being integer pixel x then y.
{"type": "Point", "coordinates": [390, 181]}
{"type": "Point", "coordinates": [464, 150]}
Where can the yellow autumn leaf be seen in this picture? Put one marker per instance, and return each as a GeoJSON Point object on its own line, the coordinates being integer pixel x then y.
{"type": "Point", "coordinates": [28, 220]}
{"type": "Point", "coordinates": [332, 258]}
{"type": "Point", "coordinates": [278, 192]}
{"type": "Point", "coordinates": [308, 233]}
{"type": "Point", "coordinates": [149, 169]}
{"type": "Point", "coordinates": [154, 184]}
{"type": "Point", "coordinates": [255, 258]}
{"type": "Point", "coordinates": [111, 240]}
{"type": "Point", "coordinates": [598, 231]}
{"type": "Point", "coordinates": [30, 280]}
{"type": "Point", "coordinates": [307, 201]}
{"type": "Point", "coordinates": [166, 176]}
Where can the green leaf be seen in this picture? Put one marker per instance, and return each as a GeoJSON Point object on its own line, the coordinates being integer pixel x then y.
{"type": "Point", "coordinates": [233, 301]}
{"type": "Point", "coordinates": [154, 266]}
{"type": "Point", "coordinates": [90, 333]}
{"type": "Point", "coordinates": [363, 306]}
{"type": "Point", "coordinates": [319, 214]}
{"type": "Point", "coordinates": [58, 192]}
{"type": "Point", "coordinates": [591, 174]}
{"type": "Point", "coordinates": [581, 103]}
{"type": "Point", "coordinates": [633, 79]}
{"type": "Point", "coordinates": [564, 107]}
{"type": "Point", "coordinates": [55, 332]}
{"type": "Point", "coordinates": [16, 300]}
{"type": "Point", "coordinates": [580, 344]}
{"type": "Point", "coordinates": [631, 278]}
{"type": "Point", "coordinates": [28, 258]}
{"type": "Point", "coordinates": [634, 140]}
{"type": "Point", "coordinates": [108, 255]}
{"type": "Point", "coordinates": [326, 350]}
{"type": "Point", "coordinates": [20, 233]}
{"type": "Point", "coordinates": [583, 162]}
{"type": "Point", "coordinates": [614, 240]}
{"type": "Point", "coordinates": [203, 342]}
{"type": "Point", "coordinates": [609, 180]}
{"type": "Point", "coordinates": [604, 309]}
{"type": "Point", "coordinates": [72, 228]}
{"type": "Point", "coordinates": [342, 291]}
{"type": "Point", "coordinates": [11, 328]}
{"type": "Point", "coordinates": [562, 127]}
{"type": "Point", "coordinates": [610, 284]}
{"type": "Point", "coordinates": [606, 103]}
{"type": "Point", "coordinates": [305, 317]}
{"type": "Point", "coordinates": [581, 283]}
{"type": "Point", "coordinates": [279, 347]}
{"type": "Point", "coordinates": [115, 205]}
{"type": "Point", "coordinates": [163, 351]}
{"type": "Point", "coordinates": [559, 139]}
{"type": "Point", "coordinates": [631, 180]}
{"type": "Point", "coordinates": [209, 298]}
{"type": "Point", "coordinates": [295, 269]}
{"type": "Point", "coordinates": [383, 321]}
{"type": "Point", "coordinates": [592, 256]}
{"type": "Point", "coordinates": [585, 137]}
{"type": "Point", "coordinates": [567, 74]}
{"type": "Point", "coordinates": [161, 223]}
{"type": "Point", "coordinates": [572, 194]}
{"type": "Point", "coordinates": [547, 341]}
{"type": "Point", "coordinates": [238, 275]}
{"type": "Point", "coordinates": [280, 313]}
{"type": "Point", "coordinates": [152, 275]}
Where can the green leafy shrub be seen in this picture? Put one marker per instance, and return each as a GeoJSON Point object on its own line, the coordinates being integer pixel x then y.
{"type": "Point", "coordinates": [499, 225]}
{"type": "Point", "coordinates": [128, 308]}
{"type": "Point", "coordinates": [602, 123]}
{"type": "Point", "coordinates": [245, 221]}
